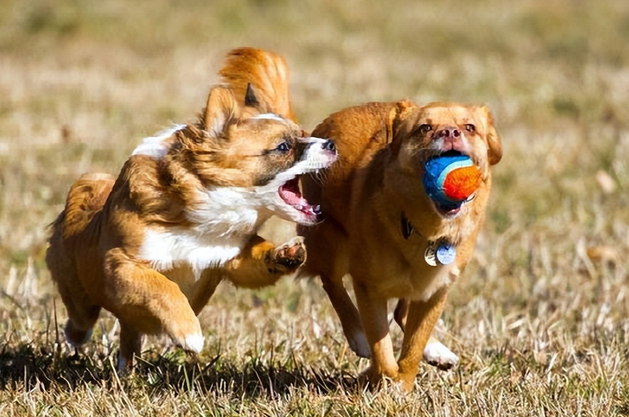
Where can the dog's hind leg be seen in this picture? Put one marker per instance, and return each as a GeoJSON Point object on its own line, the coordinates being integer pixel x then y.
{"type": "Point", "coordinates": [130, 346]}
{"type": "Point", "coordinates": [347, 313]}
{"type": "Point", "coordinates": [82, 315]}
{"type": "Point", "coordinates": [328, 258]}
{"type": "Point", "coordinates": [82, 312]}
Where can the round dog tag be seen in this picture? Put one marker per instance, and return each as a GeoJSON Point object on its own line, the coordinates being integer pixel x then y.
{"type": "Point", "coordinates": [445, 253]}
{"type": "Point", "coordinates": [431, 255]}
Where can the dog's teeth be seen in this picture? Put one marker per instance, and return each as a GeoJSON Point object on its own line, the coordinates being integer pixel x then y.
{"type": "Point", "coordinates": [317, 209]}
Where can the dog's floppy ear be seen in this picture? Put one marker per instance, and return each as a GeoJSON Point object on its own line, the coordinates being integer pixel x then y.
{"type": "Point", "coordinates": [221, 110]}
{"type": "Point", "coordinates": [396, 125]}
{"type": "Point", "coordinates": [494, 143]}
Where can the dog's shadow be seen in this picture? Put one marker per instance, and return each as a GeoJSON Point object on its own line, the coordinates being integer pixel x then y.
{"type": "Point", "coordinates": [32, 367]}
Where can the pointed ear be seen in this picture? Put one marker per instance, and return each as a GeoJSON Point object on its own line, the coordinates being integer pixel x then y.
{"type": "Point", "coordinates": [494, 143]}
{"type": "Point", "coordinates": [255, 100]}
{"type": "Point", "coordinates": [250, 97]}
{"type": "Point", "coordinates": [221, 110]}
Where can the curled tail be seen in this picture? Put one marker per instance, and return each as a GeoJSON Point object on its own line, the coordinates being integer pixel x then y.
{"type": "Point", "coordinates": [86, 197]}
{"type": "Point", "coordinates": [260, 78]}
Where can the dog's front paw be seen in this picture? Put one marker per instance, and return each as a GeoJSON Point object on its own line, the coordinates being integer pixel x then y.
{"type": "Point", "coordinates": [187, 334]}
{"type": "Point", "coordinates": [375, 378]}
{"type": "Point", "coordinates": [437, 354]}
{"type": "Point", "coordinates": [286, 258]}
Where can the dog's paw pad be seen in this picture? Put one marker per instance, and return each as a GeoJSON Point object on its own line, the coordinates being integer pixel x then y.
{"type": "Point", "coordinates": [436, 354]}
{"type": "Point", "coordinates": [289, 256]}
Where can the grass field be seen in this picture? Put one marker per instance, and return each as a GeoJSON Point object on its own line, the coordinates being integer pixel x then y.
{"type": "Point", "coordinates": [541, 316]}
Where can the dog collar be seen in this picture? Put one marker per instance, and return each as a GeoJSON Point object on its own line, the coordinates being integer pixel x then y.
{"type": "Point", "coordinates": [438, 252]}
{"type": "Point", "coordinates": [407, 227]}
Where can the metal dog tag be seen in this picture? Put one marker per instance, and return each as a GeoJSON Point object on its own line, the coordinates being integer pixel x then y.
{"type": "Point", "coordinates": [446, 253]}
{"type": "Point", "coordinates": [440, 253]}
{"type": "Point", "coordinates": [431, 254]}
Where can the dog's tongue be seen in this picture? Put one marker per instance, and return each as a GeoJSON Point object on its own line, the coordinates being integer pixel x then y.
{"type": "Point", "coordinates": [289, 192]}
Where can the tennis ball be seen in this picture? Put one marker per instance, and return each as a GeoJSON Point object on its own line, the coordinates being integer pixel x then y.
{"type": "Point", "coordinates": [449, 180]}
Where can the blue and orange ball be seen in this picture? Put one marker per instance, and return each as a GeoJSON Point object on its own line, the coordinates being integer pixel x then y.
{"type": "Point", "coordinates": [449, 180]}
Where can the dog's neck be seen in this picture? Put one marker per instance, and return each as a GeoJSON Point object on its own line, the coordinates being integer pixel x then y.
{"type": "Point", "coordinates": [227, 211]}
{"type": "Point", "coordinates": [437, 252]}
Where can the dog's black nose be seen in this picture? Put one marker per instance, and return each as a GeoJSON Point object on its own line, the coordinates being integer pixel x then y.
{"type": "Point", "coordinates": [329, 146]}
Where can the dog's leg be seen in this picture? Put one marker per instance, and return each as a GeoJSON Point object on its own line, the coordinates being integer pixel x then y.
{"type": "Point", "coordinates": [438, 355]}
{"type": "Point", "coordinates": [78, 328]}
{"type": "Point", "coordinates": [149, 303]}
{"type": "Point", "coordinates": [401, 312]}
{"type": "Point", "coordinates": [348, 314]}
{"type": "Point", "coordinates": [82, 313]}
{"type": "Point", "coordinates": [435, 353]}
{"type": "Point", "coordinates": [373, 313]}
{"type": "Point", "coordinates": [421, 320]}
{"type": "Point", "coordinates": [204, 288]}
{"type": "Point", "coordinates": [261, 263]}
{"type": "Point", "coordinates": [130, 346]}
{"type": "Point", "coordinates": [329, 259]}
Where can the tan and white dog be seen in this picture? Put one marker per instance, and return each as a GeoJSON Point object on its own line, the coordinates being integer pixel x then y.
{"type": "Point", "coordinates": [382, 228]}
{"type": "Point", "coordinates": [152, 245]}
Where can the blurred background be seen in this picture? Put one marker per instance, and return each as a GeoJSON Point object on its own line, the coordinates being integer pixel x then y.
{"type": "Point", "coordinates": [82, 82]}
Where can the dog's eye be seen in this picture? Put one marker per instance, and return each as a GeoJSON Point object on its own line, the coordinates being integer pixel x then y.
{"type": "Point", "coordinates": [470, 128]}
{"type": "Point", "coordinates": [283, 147]}
{"type": "Point", "coordinates": [425, 128]}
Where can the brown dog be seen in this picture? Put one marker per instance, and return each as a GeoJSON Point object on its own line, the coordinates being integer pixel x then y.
{"type": "Point", "coordinates": [152, 245]}
{"type": "Point", "coordinates": [380, 222]}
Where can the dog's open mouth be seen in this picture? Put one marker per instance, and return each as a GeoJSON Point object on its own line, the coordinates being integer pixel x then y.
{"type": "Point", "coordinates": [451, 153]}
{"type": "Point", "coordinates": [442, 206]}
{"type": "Point", "coordinates": [290, 193]}
{"type": "Point", "coordinates": [447, 211]}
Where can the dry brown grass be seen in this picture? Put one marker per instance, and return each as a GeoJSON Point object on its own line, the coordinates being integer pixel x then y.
{"type": "Point", "coordinates": [540, 318]}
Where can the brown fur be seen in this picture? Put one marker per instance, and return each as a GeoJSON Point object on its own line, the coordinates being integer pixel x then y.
{"type": "Point", "coordinates": [376, 183]}
{"type": "Point", "coordinates": [178, 190]}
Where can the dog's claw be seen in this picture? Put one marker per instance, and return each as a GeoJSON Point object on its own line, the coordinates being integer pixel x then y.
{"type": "Point", "coordinates": [288, 257]}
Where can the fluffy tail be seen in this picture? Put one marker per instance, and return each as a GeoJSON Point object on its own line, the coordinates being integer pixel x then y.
{"type": "Point", "coordinates": [260, 79]}
{"type": "Point", "coordinates": [87, 196]}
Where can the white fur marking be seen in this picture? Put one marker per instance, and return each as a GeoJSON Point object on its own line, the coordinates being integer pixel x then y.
{"type": "Point", "coordinates": [315, 157]}
{"type": "Point", "coordinates": [436, 353]}
{"type": "Point", "coordinates": [445, 276]}
{"type": "Point", "coordinates": [225, 217]}
{"type": "Point", "coordinates": [269, 116]}
{"type": "Point", "coordinates": [153, 146]}
{"type": "Point", "coordinates": [166, 249]}
{"type": "Point", "coordinates": [223, 220]}
{"type": "Point", "coordinates": [194, 343]}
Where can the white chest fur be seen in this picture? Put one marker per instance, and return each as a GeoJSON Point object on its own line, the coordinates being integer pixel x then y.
{"type": "Point", "coordinates": [168, 249]}
{"type": "Point", "coordinates": [222, 223]}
